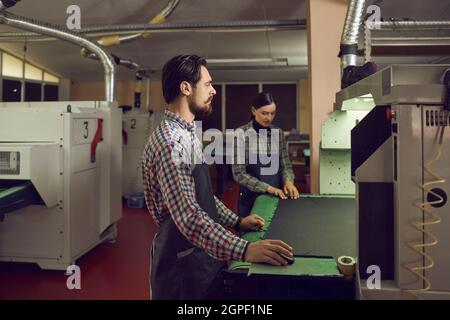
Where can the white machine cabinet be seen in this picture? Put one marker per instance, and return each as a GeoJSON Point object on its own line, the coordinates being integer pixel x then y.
{"type": "Point", "coordinates": [68, 155]}
{"type": "Point", "coordinates": [137, 125]}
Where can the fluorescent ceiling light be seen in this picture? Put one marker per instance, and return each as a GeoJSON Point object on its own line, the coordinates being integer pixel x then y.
{"type": "Point", "coordinates": [249, 61]}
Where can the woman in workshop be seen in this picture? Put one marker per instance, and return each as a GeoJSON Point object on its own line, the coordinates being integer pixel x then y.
{"type": "Point", "coordinates": [257, 177]}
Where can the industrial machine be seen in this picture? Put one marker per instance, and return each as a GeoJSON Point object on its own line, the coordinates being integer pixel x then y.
{"type": "Point", "coordinates": [137, 125]}
{"type": "Point", "coordinates": [60, 168]}
{"type": "Point", "coordinates": [60, 181]}
{"type": "Point", "coordinates": [400, 155]}
{"type": "Point", "coordinates": [335, 149]}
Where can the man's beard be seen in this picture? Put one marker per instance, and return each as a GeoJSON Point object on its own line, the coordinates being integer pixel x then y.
{"type": "Point", "coordinates": [198, 110]}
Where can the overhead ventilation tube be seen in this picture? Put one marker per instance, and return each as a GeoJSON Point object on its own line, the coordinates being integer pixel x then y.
{"type": "Point", "coordinates": [350, 34]}
{"type": "Point", "coordinates": [209, 27]}
{"type": "Point", "coordinates": [158, 19]}
{"type": "Point", "coordinates": [65, 35]}
{"type": "Point", "coordinates": [350, 72]}
{"type": "Point", "coordinates": [130, 64]}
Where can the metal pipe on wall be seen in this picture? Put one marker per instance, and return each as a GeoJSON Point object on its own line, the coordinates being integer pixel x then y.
{"type": "Point", "coordinates": [158, 18]}
{"type": "Point", "coordinates": [226, 27]}
{"type": "Point", "coordinates": [350, 33]}
{"type": "Point", "coordinates": [52, 31]}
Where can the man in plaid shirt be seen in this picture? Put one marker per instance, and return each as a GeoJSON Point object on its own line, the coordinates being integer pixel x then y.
{"type": "Point", "coordinates": [192, 242]}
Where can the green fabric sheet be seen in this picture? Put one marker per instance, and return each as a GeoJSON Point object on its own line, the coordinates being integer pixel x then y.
{"type": "Point", "coordinates": [264, 206]}
{"type": "Point", "coordinates": [301, 267]}
{"type": "Point", "coordinates": [9, 191]}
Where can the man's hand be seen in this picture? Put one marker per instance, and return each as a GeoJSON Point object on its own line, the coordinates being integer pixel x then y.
{"type": "Point", "coordinates": [276, 192]}
{"type": "Point", "coordinates": [266, 251]}
{"type": "Point", "coordinates": [252, 222]}
{"type": "Point", "coordinates": [290, 190]}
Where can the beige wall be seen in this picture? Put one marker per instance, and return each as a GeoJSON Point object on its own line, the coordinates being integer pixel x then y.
{"type": "Point", "coordinates": [156, 97]}
{"type": "Point", "coordinates": [95, 90]}
{"type": "Point", "coordinates": [325, 22]}
{"type": "Point", "coordinates": [304, 107]}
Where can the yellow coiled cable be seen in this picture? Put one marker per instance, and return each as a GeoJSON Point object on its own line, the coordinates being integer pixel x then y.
{"type": "Point", "coordinates": [434, 218]}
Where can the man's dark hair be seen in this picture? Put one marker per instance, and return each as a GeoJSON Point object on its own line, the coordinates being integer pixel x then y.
{"type": "Point", "coordinates": [178, 69]}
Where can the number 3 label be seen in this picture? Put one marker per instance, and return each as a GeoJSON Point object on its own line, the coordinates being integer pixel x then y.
{"type": "Point", "coordinates": [86, 130]}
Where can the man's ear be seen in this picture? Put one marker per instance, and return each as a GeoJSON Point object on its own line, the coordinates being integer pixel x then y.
{"type": "Point", "coordinates": [185, 88]}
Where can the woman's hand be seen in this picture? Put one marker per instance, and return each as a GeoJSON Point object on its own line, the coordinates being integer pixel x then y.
{"type": "Point", "coordinates": [276, 192]}
{"type": "Point", "coordinates": [290, 190]}
{"type": "Point", "coordinates": [252, 222]}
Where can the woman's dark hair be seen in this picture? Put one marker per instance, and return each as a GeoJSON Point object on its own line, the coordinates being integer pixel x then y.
{"type": "Point", "coordinates": [261, 100]}
{"type": "Point", "coordinates": [178, 69]}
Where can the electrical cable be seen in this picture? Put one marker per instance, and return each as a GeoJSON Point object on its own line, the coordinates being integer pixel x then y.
{"type": "Point", "coordinates": [424, 206]}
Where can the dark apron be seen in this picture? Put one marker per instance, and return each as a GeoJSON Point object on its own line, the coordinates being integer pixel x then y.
{"type": "Point", "coordinates": [248, 197]}
{"type": "Point", "coordinates": [180, 270]}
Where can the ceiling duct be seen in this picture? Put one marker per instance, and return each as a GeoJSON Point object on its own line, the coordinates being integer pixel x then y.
{"type": "Point", "coordinates": [211, 27]}
{"type": "Point", "coordinates": [158, 19]}
{"type": "Point", "coordinates": [65, 35]}
{"type": "Point", "coordinates": [350, 34]}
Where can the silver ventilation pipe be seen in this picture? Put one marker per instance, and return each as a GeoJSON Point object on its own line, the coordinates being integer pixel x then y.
{"type": "Point", "coordinates": [350, 33]}
{"type": "Point", "coordinates": [157, 19]}
{"type": "Point", "coordinates": [408, 25]}
{"type": "Point", "coordinates": [210, 27]}
{"type": "Point", "coordinates": [130, 64]}
{"type": "Point", "coordinates": [168, 9]}
{"type": "Point", "coordinates": [52, 31]}
{"type": "Point", "coordinates": [89, 54]}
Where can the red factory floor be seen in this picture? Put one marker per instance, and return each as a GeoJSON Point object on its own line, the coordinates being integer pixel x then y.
{"type": "Point", "coordinates": [109, 271]}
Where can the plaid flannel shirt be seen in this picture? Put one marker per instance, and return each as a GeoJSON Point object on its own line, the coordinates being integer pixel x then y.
{"type": "Point", "coordinates": [170, 190]}
{"type": "Point", "coordinates": [241, 175]}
